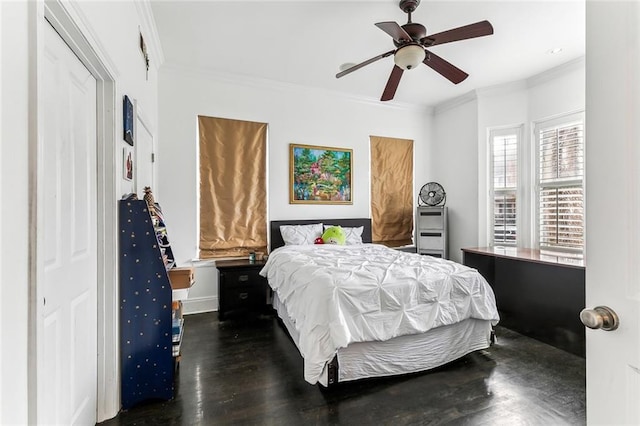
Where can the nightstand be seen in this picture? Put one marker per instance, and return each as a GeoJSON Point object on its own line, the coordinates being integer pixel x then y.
{"type": "Point", "coordinates": [241, 288]}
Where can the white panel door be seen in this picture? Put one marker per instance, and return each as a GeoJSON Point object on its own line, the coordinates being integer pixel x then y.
{"type": "Point", "coordinates": [613, 209]}
{"type": "Point", "coordinates": [144, 158]}
{"type": "Point", "coordinates": [67, 358]}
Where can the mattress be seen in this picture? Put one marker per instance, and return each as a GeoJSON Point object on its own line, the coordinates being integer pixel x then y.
{"type": "Point", "coordinates": [404, 354]}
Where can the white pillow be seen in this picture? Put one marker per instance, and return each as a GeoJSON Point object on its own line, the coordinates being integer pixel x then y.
{"type": "Point", "coordinates": [352, 236]}
{"type": "Point", "coordinates": [300, 234]}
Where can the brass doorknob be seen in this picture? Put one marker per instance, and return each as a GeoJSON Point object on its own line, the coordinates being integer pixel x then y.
{"type": "Point", "coordinates": [600, 317]}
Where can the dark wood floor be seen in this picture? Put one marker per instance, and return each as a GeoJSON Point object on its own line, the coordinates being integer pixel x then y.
{"type": "Point", "coordinates": [249, 372]}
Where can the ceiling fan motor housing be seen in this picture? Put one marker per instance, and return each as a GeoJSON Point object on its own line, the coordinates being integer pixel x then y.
{"type": "Point", "coordinates": [414, 30]}
{"type": "Point", "coordinates": [409, 6]}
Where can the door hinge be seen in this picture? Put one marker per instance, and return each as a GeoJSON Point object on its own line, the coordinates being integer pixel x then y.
{"type": "Point", "coordinates": [153, 157]}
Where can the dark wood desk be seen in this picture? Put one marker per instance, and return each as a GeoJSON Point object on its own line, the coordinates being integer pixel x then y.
{"type": "Point", "coordinates": [537, 295]}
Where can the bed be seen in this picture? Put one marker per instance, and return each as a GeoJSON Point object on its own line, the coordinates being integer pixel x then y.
{"type": "Point", "coordinates": [363, 310]}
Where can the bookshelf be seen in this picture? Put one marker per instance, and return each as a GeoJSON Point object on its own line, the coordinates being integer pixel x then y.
{"type": "Point", "coordinates": [147, 362]}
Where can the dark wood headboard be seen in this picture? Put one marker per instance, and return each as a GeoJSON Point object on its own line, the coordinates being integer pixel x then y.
{"type": "Point", "coordinates": [276, 237]}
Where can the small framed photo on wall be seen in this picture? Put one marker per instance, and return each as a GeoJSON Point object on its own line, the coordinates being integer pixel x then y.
{"type": "Point", "coordinates": [127, 163]}
{"type": "Point", "coordinates": [127, 120]}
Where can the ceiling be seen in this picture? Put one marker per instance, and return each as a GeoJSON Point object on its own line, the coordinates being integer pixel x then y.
{"type": "Point", "coordinates": [304, 42]}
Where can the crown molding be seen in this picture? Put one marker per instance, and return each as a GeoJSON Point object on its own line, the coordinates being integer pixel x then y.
{"type": "Point", "coordinates": [150, 32]}
{"type": "Point", "coordinates": [553, 73]}
{"type": "Point", "coordinates": [279, 86]}
{"type": "Point", "coordinates": [455, 102]}
{"type": "Point", "coordinates": [512, 86]}
{"type": "Point", "coordinates": [502, 89]}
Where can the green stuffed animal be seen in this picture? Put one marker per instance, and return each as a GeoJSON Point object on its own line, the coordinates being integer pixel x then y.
{"type": "Point", "coordinates": [334, 235]}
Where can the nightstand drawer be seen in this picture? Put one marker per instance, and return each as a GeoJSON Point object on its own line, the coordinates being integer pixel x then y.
{"type": "Point", "coordinates": [430, 240]}
{"type": "Point", "coordinates": [246, 298]}
{"type": "Point", "coordinates": [241, 277]}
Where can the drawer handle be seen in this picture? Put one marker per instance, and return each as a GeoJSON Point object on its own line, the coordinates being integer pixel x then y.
{"type": "Point", "coordinates": [243, 296]}
{"type": "Point", "coordinates": [430, 213]}
{"type": "Point", "coordinates": [243, 278]}
{"type": "Point", "coordinates": [431, 234]}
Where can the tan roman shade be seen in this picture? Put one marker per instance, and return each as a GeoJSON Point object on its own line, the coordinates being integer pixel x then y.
{"type": "Point", "coordinates": [391, 190]}
{"type": "Point", "coordinates": [233, 187]}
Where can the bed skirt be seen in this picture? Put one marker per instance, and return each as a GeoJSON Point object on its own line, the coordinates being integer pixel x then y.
{"type": "Point", "coordinates": [400, 355]}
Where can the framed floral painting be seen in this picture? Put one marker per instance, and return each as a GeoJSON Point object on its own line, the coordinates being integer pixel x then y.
{"type": "Point", "coordinates": [320, 175]}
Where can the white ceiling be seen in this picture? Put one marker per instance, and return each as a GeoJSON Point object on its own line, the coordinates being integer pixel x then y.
{"type": "Point", "coordinates": [304, 42]}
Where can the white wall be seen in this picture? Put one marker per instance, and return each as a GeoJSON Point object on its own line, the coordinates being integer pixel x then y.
{"type": "Point", "coordinates": [502, 106]}
{"type": "Point", "coordinates": [115, 27]}
{"type": "Point", "coordinates": [111, 28]}
{"type": "Point", "coordinates": [558, 91]}
{"type": "Point", "coordinates": [455, 167]}
{"type": "Point", "coordinates": [554, 92]}
{"type": "Point", "coordinates": [294, 115]}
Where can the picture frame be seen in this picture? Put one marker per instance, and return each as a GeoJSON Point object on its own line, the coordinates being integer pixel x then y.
{"type": "Point", "coordinates": [127, 163]}
{"type": "Point", "coordinates": [127, 120]}
{"type": "Point", "coordinates": [320, 175]}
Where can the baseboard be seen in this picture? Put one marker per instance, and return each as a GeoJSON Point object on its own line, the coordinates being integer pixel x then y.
{"type": "Point", "coordinates": [199, 305]}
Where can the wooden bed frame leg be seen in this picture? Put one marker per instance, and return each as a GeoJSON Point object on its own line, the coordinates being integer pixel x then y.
{"type": "Point", "coordinates": [332, 371]}
{"type": "Point", "coordinates": [493, 336]}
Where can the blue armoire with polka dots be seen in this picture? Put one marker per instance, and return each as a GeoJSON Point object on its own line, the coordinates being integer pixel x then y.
{"type": "Point", "coordinates": [147, 363]}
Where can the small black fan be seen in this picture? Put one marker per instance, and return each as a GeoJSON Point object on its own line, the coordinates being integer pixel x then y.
{"type": "Point", "coordinates": [432, 194]}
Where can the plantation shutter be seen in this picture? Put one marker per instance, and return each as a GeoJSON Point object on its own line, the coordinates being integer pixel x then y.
{"type": "Point", "coordinates": [505, 181]}
{"type": "Point", "coordinates": [561, 193]}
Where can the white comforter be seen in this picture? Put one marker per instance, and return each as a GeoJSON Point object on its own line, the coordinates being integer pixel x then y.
{"type": "Point", "coordinates": [337, 295]}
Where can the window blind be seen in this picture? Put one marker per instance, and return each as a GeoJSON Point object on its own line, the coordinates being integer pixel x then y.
{"type": "Point", "coordinates": [561, 153]}
{"type": "Point", "coordinates": [391, 190]}
{"type": "Point", "coordinates": [233, 187]}
{"type": "Point", "coordinates": [504, 219]}
{"type": "Point", "coordinates": [504, 160]}
{"type": "Point", "coordinates": [562, 218]}
{"type": "Point", "coordinates": [561, 193]}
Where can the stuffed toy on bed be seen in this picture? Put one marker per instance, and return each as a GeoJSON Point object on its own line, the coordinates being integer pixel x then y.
{"type": "Point", "coordinates": [334, 235]}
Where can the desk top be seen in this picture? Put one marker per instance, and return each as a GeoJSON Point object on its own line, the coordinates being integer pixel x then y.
{"type": "Point", "coordinates": [526, 254]}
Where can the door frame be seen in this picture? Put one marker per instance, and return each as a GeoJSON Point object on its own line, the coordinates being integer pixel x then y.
{"type": "Point", "coordinates": [68, 21]}
{"type": "Point", "coordinates": [145, 123]}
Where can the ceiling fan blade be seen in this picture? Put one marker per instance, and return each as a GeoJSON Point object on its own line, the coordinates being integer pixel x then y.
{"type": "Point", "coordinates": [394, 30]}
{"type": "Point", "coordinates": [365, 63]}
{"type": "Point", "coordinates": [446, 69]}
{"type": "Point", "coordinates": [392, 84]}
{"type": "Point", "coordinates": [479, 29]}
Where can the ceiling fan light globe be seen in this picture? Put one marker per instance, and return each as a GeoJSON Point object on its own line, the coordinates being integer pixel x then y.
{"type": "Point", "coordinates": [409, 57]}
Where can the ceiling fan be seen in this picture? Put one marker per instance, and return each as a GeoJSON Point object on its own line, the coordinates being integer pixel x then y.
{"type": "Point", "coordinates": [411, 44]}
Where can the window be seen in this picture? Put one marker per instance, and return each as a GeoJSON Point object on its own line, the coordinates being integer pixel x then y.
{"type": "Point", "coordinates": [504, 185]}
{"type": "Point", "coordinates": [233, 187]}
{"type": "Point", "coordinates": [391, 191]}
{"type": "Point", "coordinates": [560, 146]}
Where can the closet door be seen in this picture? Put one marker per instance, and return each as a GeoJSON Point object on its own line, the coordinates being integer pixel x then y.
{"type": "Point", "coordinates": [67, 345]}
